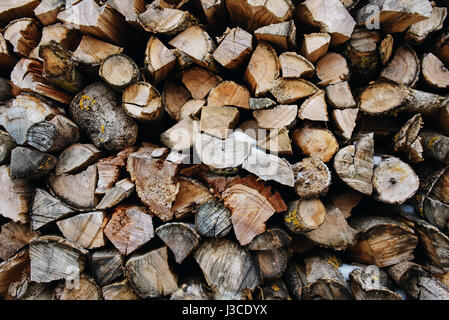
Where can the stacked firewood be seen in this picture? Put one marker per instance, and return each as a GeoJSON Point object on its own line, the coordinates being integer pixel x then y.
{"type": "Point", "coordinates": [227, 149]}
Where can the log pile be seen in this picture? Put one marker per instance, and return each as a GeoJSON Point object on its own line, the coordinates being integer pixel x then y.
{"type": "Point", "coordinates": [231, 149]}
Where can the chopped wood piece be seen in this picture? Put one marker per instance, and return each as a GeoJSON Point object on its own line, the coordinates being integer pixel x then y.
{"type": "Point", "coordinates": [181, 238]}
{"type": "Point", "coordinates": [12, 9]}
{"type": "Point", "coordinates": [414, 152]}
{"type": "Point", "coordinates": [12, 270]}
{"type": "Point", "coordinates": [119, 71]}
{"type": "Point", "coordinates": [276, 118]}
{"type": "Point", "coordinates": [295, 66]}
{"type": "Point", "coordinates": [182, 135]}
{"type": "Point", "coordinates": [332, 68]}
{"type": "Point", "coordinates": [159, 60]}
{"type": "Point", "coordinates": [23, 34]}
{"type": "Point", "coordinates": [47, 11]}
{"type": "Point", "coordinates": [235, 49]}
{"type": "Point", "coordinates": [419, 31]}
{"type": "Point", "coordinates": [192, 194]}
{"type": "Point", "coordinates": [274, 290]}
{"type": "Point", "coordinates": [25, 289]}
{"type": "Point", "coordinates": [440, 188]}
{"type": "Point", "coordinates": [77, 190]}
{"type": "Point", "coordinates": [251, 15]}
{"type": "Point", "coordinates": [27, 77]}
{"type": "Point", "coordinates": [199, 82]}
{"type": "Point", "coordinates": [229, 93]}
{"type": "Point", "coordinates": [142, 101]}
{"type": "Point", "coordinates": [304, 215]}
{"type": "Point", "coordinates": [53, 135]}
{"type": "Point", "coordinates": [217, 121]}
{"type": "Point", "coordinates": [366, 284]}
{"type": "Point", "coordinates": [314, 108]}
{"type": "Point", "coordinates": [316, 142]}
{"type": "Point", "coordinates": [54, 258]}
{"type": "Point", "coordinates": [119, 291]}
{"type": "Point", "coordinates": [312, 178]}
{"type": "Point", "coordinates": [129, 228]}
{"type": "Point", "coordinates": [278, 143]}
{"type": "Point", "coordinates": [191, 109]}
{"type": "Point", "coordinates": [382, 241]}
{"type": "Point", "coordinates": [214, 13]}
{"type": "Point", "coordinates": [354, 164]}
{"type": "Point", "coordinates": [155, 179]}
{"type": "Point", "coordinates": [166, 21]}
{"type": "Point", "coordinates": [434, 73]}
{"type": "Point", "coordinates": [394, 16]}
{"type": "Point", "coordinates": [381, 98]}
{"type": "Point", "coordinates": [30, 164]}
{"type": "Point", "coordinates": [328, 16]}
{"type": "Point", "coordinates": [76, 157]}
{"type": "Point", "coordinates": [192, 291]}
{"type": "Point", "coordinates": [404, 68]}
{"type": "Point", "coordinates": [288, 90]}
{"type": "Point", "coordinates": [13, 237]}
{"type": "Point", "coordinates": [315, 45]}
{"type": "Point", "coordinates": [262, 69]}
{"type": "Point", "coordinates": [346, 201]}
{"type": "Point", "coordinates": [151, 275]}
{"type": "Point", "coordinates": [334, 232]}
{"type": "Point", "coordinates": [86, 289]}
{"type": "Point", "coordinates": [280, 35]}
{"type": "Point", "coordinates": [386, 49]}
{"type": "Point", "coordinates": [106, 265]}
{"type": "Point", "coordinates": [130, 10]}
{"type": "Point", "coordinates": [339, 95]}
{"type": "Point", "coordinates": [7, 143]}
{"type": "Point", "coordinates": [408, 133]}
{"type": "Point", "coordinates": [47, 209]}
{"type": "Point", "coordinates": [362, 54]}
{"type": "Point", "coordinates": [345, 121]}
{"type": "Point", "coordinates": [102, 22]}
{"type": "Point", "coordinates": [274, 238]}
{"type": "Point", "coordinates": [174, 96]}
{"type": "Point", "coordinates": [271, 263]}
{"type": "Point", "coordinates": [15, 196]}
{"type": "Point", "coordinates": [97, 111]}
{"type": "Point", "coordinates": [58, 67]}
{"type": "Point", "coordinates": [213, 219]}
{"type": "Point", "coordinates": [228, 268]}
{"type": "Point", "coordinates": [197, 44]}
{"type": "Point", "coordinates": [85, 229]}
{"type": "Point", "coordinates": [122, 190]}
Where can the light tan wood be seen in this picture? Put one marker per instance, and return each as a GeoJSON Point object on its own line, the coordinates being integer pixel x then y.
{"type": "Point", "coordinates": [434, 72]}
{"type": "Point", "coordinates": [294, 65]}
{"type": "Point", "coordinates": [314, 108]}
{"type": "Point", "coordinates": [404, 68]}
{"type": "Point", "coordinates": [332, 68]}
{"type": "Point", "coordinates": [159, 60]}
{"type": "Point", "coordinates": [143, 101]}
{"type": "Point", "coordinates": [288, 90]}
{"type": "Point", "coordinates": [199, 81]}
{"type": "Point", "coordinates": [15, 197]}
{"type": "Point", "coordinates": [315, 45]}
{"type": "Point", "coordinates": [218, 120]}
{"type": "Point", "coordinates": [229, 93]}
{"type": "Point", "coordinates": [316, 142]}
{"type": "Point", "coordinates": [280, 35]}
{"type": "Point", "coordinates": [276, 118]}
{"type": "Point", "coordinates": [235, 49]}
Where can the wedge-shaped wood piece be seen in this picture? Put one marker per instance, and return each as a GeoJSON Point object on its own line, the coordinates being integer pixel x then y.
{"type": "Point", "coordinates": [382, 241]}
{"type": "Point", "coordinates": [86, 289]}
{"type": "Point", "coordinates": [199, 81]}
{"type": "Point", "coordinates": [345, 121]}
{"type": "Point", "coordinates": [11, 9]}
{"type": "Point", "coordinates": [47, 11]}
{"type": "Point", "coordinates": [181, 238]}
{"type": "Point", "coordinates": [151, 275]}
{"type": "Point", "coordinates": [54, 258]}
{"type": "Point", "coordinates": [273, 238]}
{"type": "Point", "coordinates": [119, 71]}
{"type": "Point", "coordinates": [434, 73]}
{"type": "Point", "coordinates": [304, 215]}
{"type": "Point", "coordinates": [394, 16]}
{"type": "Point", "coordinates": [354, 164]}
{"type": "Point", "coordinates": [217, 121]}
{"type": "Point", "coordinates": [119, 291]}
{"type": "Point", "coordinates": [28, 163]}
{"type": "Point", "coordinates": [366, 285]}
{"type": "Point", "coordinates": [182, 135]}
{"type": "Point", "coordinates": [213, 219]}
{"type": "Point", "coordinates": [47, 209]}
{"type": "Point", "coordinates": [404, 68]}
{"type": "Point", "coordinates": [175, 95]}
{"type": "Point", "coordinates": [312, 178]}
{"type": "Point", "coordinates": [235, 49]}
{"type": "Point", "coordinates": [339, 95]}
{"type": "Point", "coordinates": [13, 237]}
{"type": "Point", "coordinates": [316, 142]}
{"type": "Point", "coordinates": [408, 133]}
{"type": "Point", "coordinates": [192, 194]}
{"type": "Point", "coordinates": [282, 116]}
{"type": "Point", "coordinates": [327, 16]}
{"type": "Point", "coordinates": [130, 10]}
{"type": "Point", "coordinates": [280, 35]}
{"type": "Point", "coordinates": [332, 68]}
{"type": "Point", "coordinates": [346, 200]}
{"type": "Point", "coordinates": [314, 108]}
{"type": "Point", "coordinates": [294, 65]}
{"type": "Point", "coordinates": [229, 93]}
{"type": "Point", "coordinates": [278, 142]}
{"type": "Point", "coordinates": [106, 265]}
{"type": "Point", "coordinates": [262, 69]}
{"type": "Point", "coordinates": [12, 270]}
{"type": "Point", "coordinates": [76, 157]}
{"type": "Point", "coordinates": [251, 15]}
{"type": "Point", "coordinates": [15, 196]}
{"type": "Point", "coordinates": [191, 109]}
{"type": "Point", "coordinates": [288, 90]}
{"type": "Point", "coordinates": [228, 268]}
{"type": "Point", "coordinates": [6, 145]}
{"type": "Point", "coordinates": [85, 229]}
{"type": "Point", "coordinates": [214, 13]}
{"type": "Point", "coordinates": [197, 44]}
{"type": "Point", "coordinates": [159, 60]}
{"type": "Point", "coordinates": [386, 49]}
{"type": "Point", "coordinates": [76, 190]}
{"type": "Point", "coordinates": [419, 31]}
{"type": "Point", "coordinates": [122, 190]}
{"type": "Point", "coordinates": [23, 35]}
{"type": "Point", "coordinates": [129, 228]}
{"type": "Point", "coordinates": [143, 101]}
{"type": "Point", "coordinates": [315, 45]}
{"type": "Point", "coordinates": [165, 20]}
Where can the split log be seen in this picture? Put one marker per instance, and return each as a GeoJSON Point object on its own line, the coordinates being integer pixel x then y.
{"type": "Point", "coordinates": [362, 54]}
{"type": "Point", "coordinates": [150, 274]}
{"type": "Point", "coordinates": [199, 82]}
{"type": "Point", "coordinates": [277, 142]}
{"type": "Point", "coordinates": [129, 228]}
{"type": "Point", "coordinates": [295, 279]}
{"type": "Point", "coordinates": [119, 71]}
{"type": "Point", "coordinates": [386, 49]}
{"type": "Point", "coordinates": [165, 21]}
{"type": "Point", "coordinates": [106, 265]}
{"type": "Point", "coordinates": [7, 59]}
{"type": "Point", "coordinates": [346, 201]}
{"type": "Point", "coordinates": [408, 133]}
{"type": "Point", "coordinates": [76, 190]}
{"type": "Point", "coordinates": [122, 190]}
{"type": "Point", "coordinates": [97, 111]}
{"type": "Point", "coordinates": [13, 237]}
{"type": "Point", "coordinates": [54, 258]}
{"type": "Point", "coordinates": [435, 146]}
{"type": "Point", "coordinates": [288, 90]}
{"type": "Point", "coordinates": [47, 11]}
{"type": "Point", "coordinates": [381, 98]}
{"type": "Point", "coordinates": [382, 241]}
{"type": "Point", "coordinates": [229, 93]}
{"type": "Point", "coordinates": [192, 194]}
{"type": "Point", "coordinates": [262, 69]}
{"type": "Point", "coordinates": [332, 68]}
{"type": "Point", "coordinates": [419, 31]}
{"type": "Point", "coordinates": [304, 215]}
{"type": "Point", "coordinates": [174, 96]}
{"type": "Point", "coordinates": [191, 291]}
{"type": "Point", "coordinates": [294, 65]}
{"type": "Point", "coordinates": [365, 284]}
{"type": "Point", "coordinates": [76, 157]}
{"type": "Point", "coordinates": [52, 135]}
{"type": "Point", "coordinates": [414, 152]}
{"type": "Point", "coordinates": [228, 268]}
{"type": "Point", "coordinates": [181, 238]}
{"type": "Point", "coordinates": [25, 289]}
{"type": "Point", "coordinates": [11, 9]}
{"type": "Point", "coordinates": [314, 108]}
{"type": "Point", "coordinates": [235, 49]}
{"type": "Point", "coordinates": [119, 291]}
{"type": "Point", "coordinates": [129, 10]}
{"type": "Point", "coordinates": [316, 142]}
{"type": "Point", "coordinates": [217, 121]}
{"type": "Point", "coordinates": [214, 13]}
{"type": "Point", "coordinates": [86, 289]}
{"type": "Point", "coordinates": [339, 95]}
{"type": "Point", "coordinates": [142, 101]}
{"type": "Point", "coordinates": [345, 121]}
{"type": "Point", "coordinates": [273, 238]}
{"type": "Point", "coordinates": [280, 35]}
{"type": "Point", "coordinates": [404, 68]}
{"type": "Point", "coordinates": [434, 73]}
{"type": "Point", "coordinates": [251, 15]}
{"type": "Point", "coordinates": [282, 116]}
{"type": "Point", "coordinates": [47, 209]}
{"type": "Point", "coordinates": [15, 196]}
{"type": "Point", "coordinates": [191, 109]}
{"type": "Point", "coordinates": [394, 16]}
{"type": "Point", "coordinates": [12, 270]}
{"type": "Point", "coordinates": [315, 45]}
{"type": "Point", "coordinates": [213, 219]}
{"type": "Point", "coordinates": [271, 263]}
{"type": "Point", "coordinates": [85, 229]}
{"type": "Point", "coordinates": [23, 35]}
{"type": "Point", "coordinates": [327, 16]}
{"type": "Point", "coordinates": [312, 178]}
{"type": "Point", "coordinates": [30, 164]}
{"type": "Point", "coordinates": [274, 290]}
{"type": "Point", "coordinates": [7, 143]}
{"type": "Point", "coordinates": [159, 60]}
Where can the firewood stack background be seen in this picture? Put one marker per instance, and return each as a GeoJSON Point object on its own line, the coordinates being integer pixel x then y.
{"type": "Point", "coordinates": [227, 149]}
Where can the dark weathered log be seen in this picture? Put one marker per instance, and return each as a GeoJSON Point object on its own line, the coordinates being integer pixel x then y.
{"type": "Point", "coordinates": [273, 238]}
{"type": "Point", "coordinates": [47, 209]}
{"type": "Point", "coordinates": [11, 9]}
{"type": "Point", "coordinates": [13, 237]}
{"type": "Point", "coordinates": [271, 263]}
{"type": "Point", "coordinates": [213, 219]}
{"type": "Point", "coordinates": [371, 284]}
{"type": "Point", "coordinates": [106, 265]}
{"type": "Point", "coordinates": [119, 291]}
{"type": "Point", "coordinates": [30, 164]}
{"type": "Point", "coordinates": [12, 270]}
{"type": "Point", "coordinates": [408, 133]}
{"type": "Point", "coordinates": [6, 145]}
{"type": "Point", "coordinates": [436, 146]}
{"type": "Point", "coordinates": [312, 178]}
